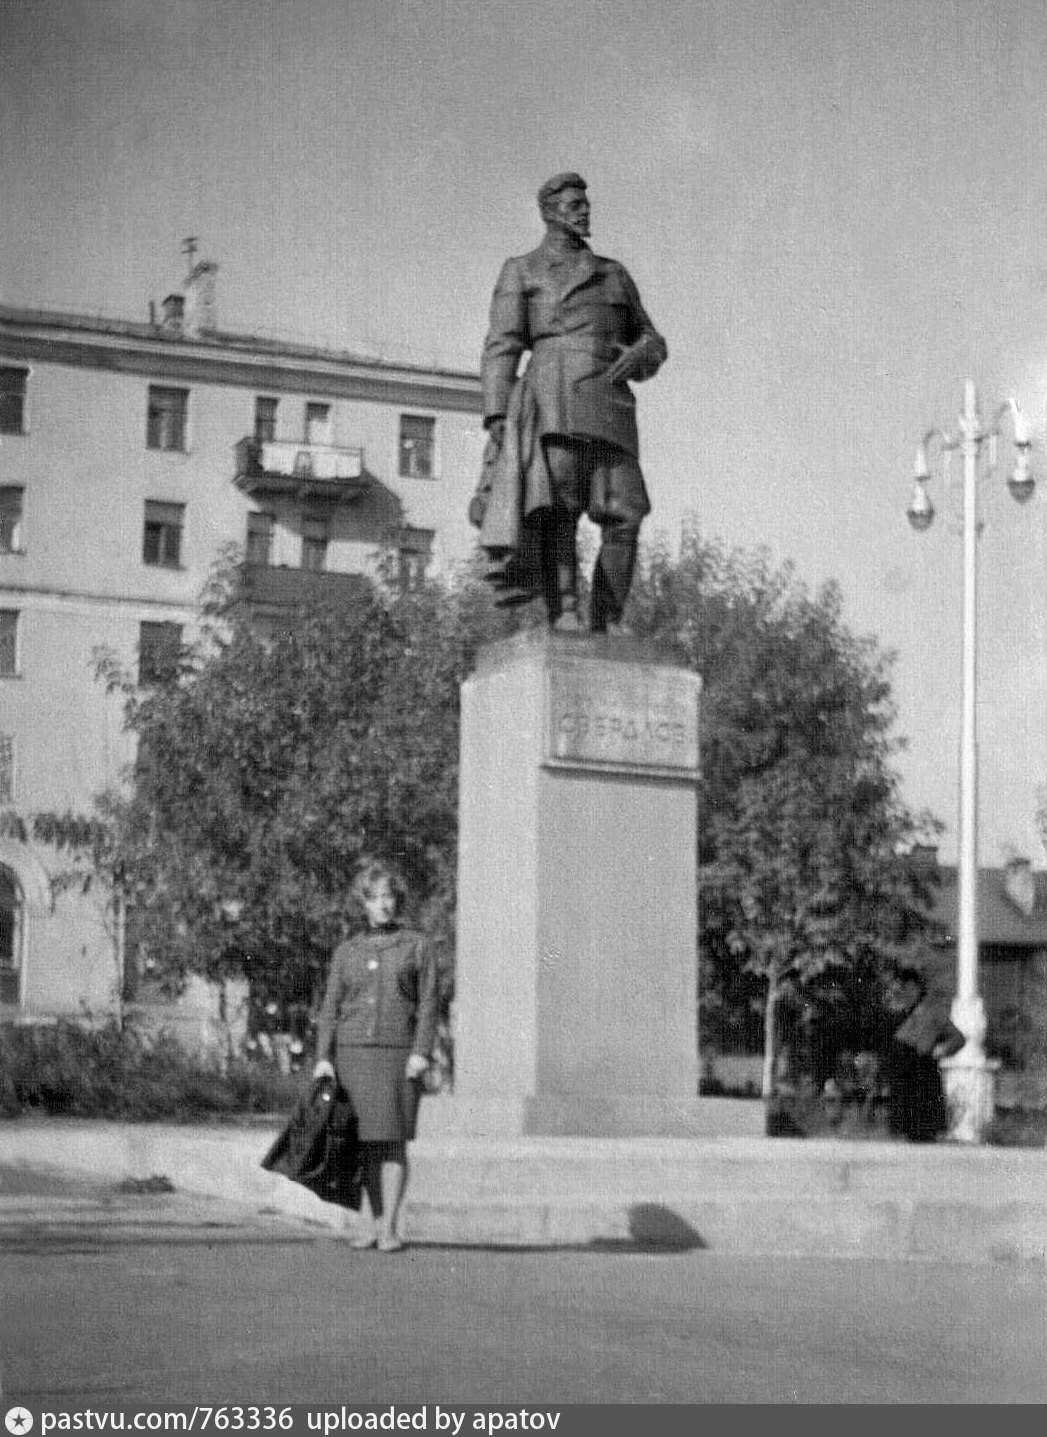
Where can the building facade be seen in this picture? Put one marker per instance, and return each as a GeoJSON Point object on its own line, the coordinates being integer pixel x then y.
{"type": "Point", "coordinates": [132, 455]}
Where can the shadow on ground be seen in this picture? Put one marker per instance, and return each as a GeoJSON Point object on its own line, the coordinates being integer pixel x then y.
{"type": "Point", "coordinates": [654, 1228]}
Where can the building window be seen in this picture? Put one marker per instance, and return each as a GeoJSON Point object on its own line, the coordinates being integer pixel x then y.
{"type": "Point", "coordinates": [8, 643]}
{"type": "Point", "coordinates": [11, 519]}
{"type": "Point", "coordinates": [414, 550]}
{"type": "Point", "coordinates": [264, 420]}
{"type": "Point", "coordinates": [314, 545]}
{"type": "Point", "coordinates": [318, 424]}
{"type": "Point", "coordinates": [259, 539]}
{"type": "Point", "coordinates": [417, 447]}
{"type": "Point", "coordinates": [168, 411]}
{"type": "Point", "coordinates": [11, 909]}
{"type": "Point", "coordinates": [12, 400]}
{"type": "Point", "coordinates": [159, 647]}
{"type": "Point", "coordinates": [162, 534]}
{"type": "Point", "coordinates": [7, 768]}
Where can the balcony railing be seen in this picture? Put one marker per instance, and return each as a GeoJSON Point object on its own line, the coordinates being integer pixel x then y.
{"type": "Point", "coordinates": [300, 471]}
{"type": "Point", "coordinates": [273, 590]}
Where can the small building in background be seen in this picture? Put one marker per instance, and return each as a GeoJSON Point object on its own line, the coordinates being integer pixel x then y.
{"type": "Point", "coordinates": [1012, 969]}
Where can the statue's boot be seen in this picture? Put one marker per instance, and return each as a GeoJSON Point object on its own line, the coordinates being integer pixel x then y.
{"type": "Point", "coordinates": [612, 576]}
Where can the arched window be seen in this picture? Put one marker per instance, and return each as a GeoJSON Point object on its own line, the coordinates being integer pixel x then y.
{"type": "Point", "coordinates": [11, 911]}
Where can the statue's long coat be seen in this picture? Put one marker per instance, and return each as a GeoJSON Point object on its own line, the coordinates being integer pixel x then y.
{"type": "Point", "coordinates": [574, 314]}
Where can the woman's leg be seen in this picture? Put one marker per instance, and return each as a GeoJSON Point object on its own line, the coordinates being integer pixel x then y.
{"type": "Point", "coordinates": [393, 1182]}
{"type": "Point", "coordinates": [371, 1182]}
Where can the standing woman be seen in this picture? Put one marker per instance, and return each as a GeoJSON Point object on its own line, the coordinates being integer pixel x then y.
{"type": "Point", "coordinates": [378, 1022]}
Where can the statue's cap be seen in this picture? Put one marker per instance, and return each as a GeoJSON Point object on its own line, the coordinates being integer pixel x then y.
{"type": "Point", "coordinates": [567, 180]}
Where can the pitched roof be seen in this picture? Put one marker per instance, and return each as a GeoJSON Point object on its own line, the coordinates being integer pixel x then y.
{"type": "Point", "coordinates": [1012, 905]}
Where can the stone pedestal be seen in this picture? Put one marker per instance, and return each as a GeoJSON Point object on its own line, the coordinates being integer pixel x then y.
{"type": "Point", "coordinates": [969, 1077]}
{"type": "Point", "coordinates": [970, 1093]}
{"type": "Point", "coordinates": [576, 1005]}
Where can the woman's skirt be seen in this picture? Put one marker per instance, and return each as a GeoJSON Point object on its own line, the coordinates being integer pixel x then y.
{"type": "Point", "coordinates": [384, 1100]}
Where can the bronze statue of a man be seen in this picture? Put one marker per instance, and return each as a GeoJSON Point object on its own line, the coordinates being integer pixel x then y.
{"type": "Point", "coordinates": [562, 436]}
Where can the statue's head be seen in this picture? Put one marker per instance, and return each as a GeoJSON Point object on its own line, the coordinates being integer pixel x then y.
{"type": "Point", "coordinates": [564, 204]}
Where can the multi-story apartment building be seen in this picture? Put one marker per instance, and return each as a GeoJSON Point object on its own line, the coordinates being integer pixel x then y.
{"type": "Point", "coordinates": [131, 454]}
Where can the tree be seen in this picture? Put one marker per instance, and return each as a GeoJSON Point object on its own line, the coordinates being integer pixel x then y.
{"type": "Point", "coordinates": [267, 767]}
{"type": "Point", "coordinates": [802, 833]}
{"type": "Point", "coordinates": [807, 880]}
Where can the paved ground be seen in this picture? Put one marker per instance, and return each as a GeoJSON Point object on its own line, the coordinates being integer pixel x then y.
{"type": "Point", "coordinates": [124, 1298]}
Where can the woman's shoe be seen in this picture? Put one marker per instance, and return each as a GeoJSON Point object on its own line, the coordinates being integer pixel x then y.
{"type": "Point", "coordinates": [567, 620]}
{"type": "Point", "coordinates": [363, 1240]}
{"type": "Point", "coordinates": [392, 1243]}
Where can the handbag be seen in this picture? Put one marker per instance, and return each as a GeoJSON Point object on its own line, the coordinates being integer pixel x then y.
{"type": "Point", "coordinates": [440, 1072]}
{"type": "Point", "coordinates": [318, 1147]}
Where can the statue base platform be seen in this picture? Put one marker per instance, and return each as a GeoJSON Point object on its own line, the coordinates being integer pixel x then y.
{"type": "Point", "coordinates": [576, 1001]}
{"type": "Point", "coordinates": [566, 1115]}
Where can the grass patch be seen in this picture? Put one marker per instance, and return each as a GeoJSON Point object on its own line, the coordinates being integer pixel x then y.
{"type": "Point", "coordinates": [109, 1072]}
{"type": "Point", "coordinates": [810, 1115]}
{"type": "Point", "coordinates": [1018, 1128]}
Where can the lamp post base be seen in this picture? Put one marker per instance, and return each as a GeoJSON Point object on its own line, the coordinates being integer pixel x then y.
{"type": "Point", "coordinates": [970, 1091]}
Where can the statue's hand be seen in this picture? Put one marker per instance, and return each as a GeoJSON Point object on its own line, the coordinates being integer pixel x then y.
{"type": "Point", "coordinates": [496, 429]}
{"type": "Point", "coordinates": [416, 1066]}
{"type": "Point", "coordinates": [627, 363]}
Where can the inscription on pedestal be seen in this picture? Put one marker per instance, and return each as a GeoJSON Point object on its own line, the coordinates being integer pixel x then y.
{"type": "Point", "coordinates": [622, 716]}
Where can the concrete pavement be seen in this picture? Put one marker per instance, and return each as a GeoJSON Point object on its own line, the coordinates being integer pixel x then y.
{"type": "Point", "coordinates": [143, 1322]}
{"type": "Point", "coordinates": [49, 1205]}
{"type": "Point", "coordinates": [735, 1195]}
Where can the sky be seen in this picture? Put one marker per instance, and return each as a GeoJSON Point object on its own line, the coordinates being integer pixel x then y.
{"type": "Point", "coordinates": [834, 211]}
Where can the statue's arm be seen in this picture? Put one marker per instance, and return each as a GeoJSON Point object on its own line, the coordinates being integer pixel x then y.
{"type": "Point", "coordinates": [647, 351]}
{"type": "Point", "coordinates": [507, 339]}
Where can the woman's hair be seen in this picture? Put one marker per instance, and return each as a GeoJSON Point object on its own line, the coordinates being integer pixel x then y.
{"type": "Point", "coordinates": [371, 872]}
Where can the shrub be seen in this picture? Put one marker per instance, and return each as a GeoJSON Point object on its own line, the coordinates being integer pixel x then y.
{"type": "Point", "coordinates": [1018, 1128]}
{"type": "Point", "coordinates": [72, 1071]}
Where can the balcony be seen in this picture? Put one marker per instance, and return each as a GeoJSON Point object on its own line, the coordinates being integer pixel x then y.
{"type": "Point", "coordinates": [283, 468]}
{"type": "Point", "coordinates": [278, 591]}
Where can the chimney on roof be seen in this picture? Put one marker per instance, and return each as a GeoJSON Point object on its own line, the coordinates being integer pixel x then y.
{"type": "Point", "coordinates": [201, 308]}
{"type": "Point", "coordinates": [1019, 884]}
{"type": "Point", "coordinates": [173, 312]}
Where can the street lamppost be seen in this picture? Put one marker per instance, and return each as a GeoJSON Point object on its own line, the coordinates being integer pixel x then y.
{"type": "Point", "coordinates": [969, 1076]}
